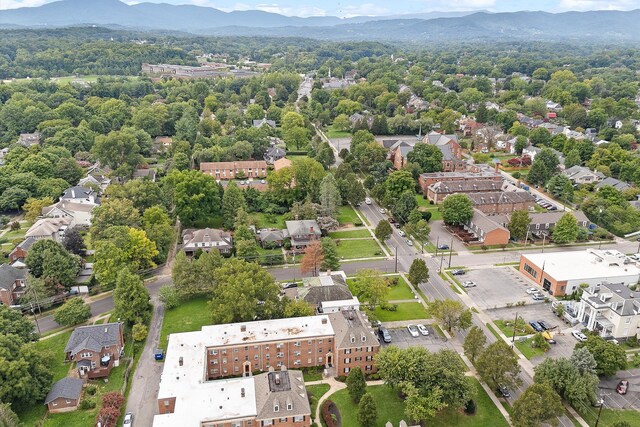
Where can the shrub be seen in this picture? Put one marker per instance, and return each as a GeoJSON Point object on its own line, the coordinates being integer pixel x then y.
{"type": "Point", "coordinates": [15, 225]}
{"type": "Point", "coordinates": [357, 224]}
{"type": "Point", "coordinates": [484, 247]}
{"type": "Point", "coordinates": [341, 378]}
{"type": "Point", "coordinates": [516, 175]}
{"type": "Point", "coordinates": [113, 399]}
{"type": "Point", "coordinates": [108, 416]}
{"type": "Point", "coordinates": [470, 407]}
{"type": "Point", "coordinates": [87, 404]}
{"type": "Point", "coordinates": [91, 390]}
{"type": "Point", "coordinates": [328, 418]}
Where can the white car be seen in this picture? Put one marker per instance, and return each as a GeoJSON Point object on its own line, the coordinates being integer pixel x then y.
{"type": "Point", "coordinates": [579, 335]}
{"type": "Point", "coordinates": [413, 330]}
{"type": "Point", "coordinates": [532, 291]}
{"type": "Point", "coordinates": [401, 233]}
{"type": "Point", "coordinates": [468, 284]}
{"type": "Point", "coordinates": [409, 242]}
{"type": "Point", "coordinates": [423, 330]}
{"type": "Point", "coordinates": [383, 211]}
{"type": "Point", "coordinates": [367, 201]}
{"type": "Point", "coordinates": [128, 419]}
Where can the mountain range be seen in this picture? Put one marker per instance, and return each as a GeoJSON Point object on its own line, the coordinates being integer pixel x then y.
{"type": "Point", "coordinates": [604, 26]}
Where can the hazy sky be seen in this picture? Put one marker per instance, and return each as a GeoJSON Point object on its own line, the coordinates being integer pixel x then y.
{"type": "Point", "coordinates": [345, 8]}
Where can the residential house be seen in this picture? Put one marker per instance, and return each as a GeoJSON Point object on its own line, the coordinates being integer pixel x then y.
{"type": "Point", "coordinates": [29, 139]}
{"type": "Point", "coordinates": [264, 122]}
{"type": "Point", "coordinates": [96, 349]}
{"type": "Point", "coordinates": [49, 228]}
{"type": "Point", "coordinates": [573, 134]}
{"type": "Point", "coordinates": [303, 232]}
{"type": "Point", "coordinates": [508, 145]}
{"type": "Point", "coordinates": [334, 83]}
{"type": "Point", "coordinates": [612, 310]}
{"type": "Point", "coordinates": [79, 194]}
{"type": "Point", "coordinates": [438, 191]}
{"type": "Point", "coordinates": [162, 143]}
{"type": "Point", "coordinates": [274, 154]}
{"type": "Point", "coordinates": [327, 293]}
{"type": "Point", "coordinates": [233, 170]}
{"type": "Point", "coordinates": [12, 284]}
{"type": "Point", "coordinates": [398, 153]}
{"type": "Point", "coordinates": [475, 174]}
{"type": "Point", "coordinates": [451, 151]}
{"type": "Point", "coordinates": [271, 237]}
{"type": "Point", "coordinates": [364, 117]}
{"type": "Point", "coordinates": [469, 127]}
{"type": "Point", "coordinates": [77, 214]}
{"type": "Point", "coordinates": [148, 173]}
{"type": "Point", "coordinates": [415, 103]}
{"type": "Point", "coordinates": [64, 395]}
{"type": "Point", "coordinates": [553, 128]}
{"type": "Point", "coordinates": [493, 203]}
{"type": "Point", "coordinates": [484, 230]}
{"type": "Point", "coordinates": [206, 239]}
{"type": "Point", "coordinates": [613, 182]}
{"type": "Point", "coordinates": [553, 106]}
{"type": "Point", "coordinates": [531, 152]}
{"type": "Point", "coordinates": [3, 153]}
{"type": "Point", "coordinates": [20, 252]}
{"type": "Point", "coordinates": [282, 163]}
{"type": "Point", "coordinates": [582, 175]}
{"type": "Point", "coordinates": [97, 177]}
{"type": "Point", "coordinates": [562, 273]}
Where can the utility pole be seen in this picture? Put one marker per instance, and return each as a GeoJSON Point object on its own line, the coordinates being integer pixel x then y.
{"type": "Point", "coordinates": [437, 244]}
{"type": "Point", "coordinates": [441, 261]}
{"type": "Point", "coordinates": [450, 252]}
{"type": "Point", "coordinates": [515, 324]}
{"type": "Point", "coordinates": [600, 410]}
{"type": "Point", "coordinates": [35, 317]}
{"type": "Point", "coordinates": [396, 267]}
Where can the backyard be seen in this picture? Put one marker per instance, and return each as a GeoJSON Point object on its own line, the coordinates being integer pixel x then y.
{"type": "Point", "coordinates": [350, 234]}
{"type": "Point", "coordinates": [401, 291]}
{"type": "Point", "coordinates": [424, 205]}
{"type": "Point", "coordinates": [187, 317]}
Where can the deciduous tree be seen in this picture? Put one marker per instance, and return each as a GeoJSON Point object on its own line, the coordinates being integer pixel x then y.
{"type": "Point", "coordinates": [72, 312]}
{"type": "Point", "coordinates": [73, 241]}
{"type": "Point", "coordinates": [609, 357]}
{"type": "Point", "coordinates": [418, 272]}
{"type": "Point", "coordinates": [383, 230]}
{"type": "Point", "coordinates": [498, 365]}
{"type": "Point", "coordinates": [131, 298]}
{"type": "Point", "coordinates": [451, 314]}
{"type": "Point", "coordinates": [566, 229]}
{"type": "Point", "coordinates": [428, 157]}
{"type": "Point", "coordinates": [370, 287]}
{"type": "Point", "coordinates": [538, 404]}
{"type": "Point", "coordinates": [474, 343]}
{"type": "Point", "coordinates": [195, 196]}
{"type": "Point", "coordinates": [519, 224]}
{"type": "Point", "coordinates": [312, 259]}
{"type": "Point", "coordinates": [457, 209]}
{"type": "Point", "coordinates": [232, 200]}
{"type": "Point", "coordinates": [356, 384]}
{"type": "Point", "coordinates": [33, 207]}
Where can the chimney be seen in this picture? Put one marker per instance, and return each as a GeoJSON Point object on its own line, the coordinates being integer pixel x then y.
{"type": "Point", "coordinates": [311, 230]}
{"type": "Point", "coordinates": [242, 392]}
{"type": "Point", "coordinates": [243, 328]}
{"type": "Point", "coordinates": [180, 361]}
{"type": "Point", "coordinates": [277, 379]}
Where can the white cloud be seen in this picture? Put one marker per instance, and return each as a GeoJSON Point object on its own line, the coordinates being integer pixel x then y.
{"type": "Point", "coordinates": [454, 5]}
{"type": "Point", "coordinates": [301, 10]}
{"type": "Point", "coordinates": [14, 4]}
{"type": "Point", "coordinates": [582, 5]}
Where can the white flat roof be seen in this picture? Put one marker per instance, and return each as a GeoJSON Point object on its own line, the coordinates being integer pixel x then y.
{"type": "Point", "coordinates": [264, 331]}
{"type": "Point", "coordinates": [584, 265]}
{"type": "Point", "coordinates": [196, 399]}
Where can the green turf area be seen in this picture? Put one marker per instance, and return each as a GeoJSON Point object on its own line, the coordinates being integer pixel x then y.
{"type": "Point", "coordinates": [528, 351]}
{"type": "Point", "coordinates": [296, 157]}
{"type": "Point", "coordinates": [424, 205]}
{"type": "Point", "coordinates": [312, 373]}
{"type": "Point", "coordinates": [405, 311]}
{"type": "Point", "coordinates": [346, 215]}
{"type": "Point", "coordinates": [187, 317]}
{"type": "Point", "coordinates": [263, 220]}
{"type": "Point", "coordinates": [389, 405]}
{"type": "Point", "coordinates": [334, 133]}
{"type": "Point", "coordinates": [349, 234]}
{"type": "Point", "coordinates": [506, 326]}
{"type": "Point", "coordinates": [398, 292]}
{"type": "Point", "coordinates": [314, 393]}
{"type": "Point", "coordinates": [350, 249]}
{"type": "Point", "coordinates": [422, 202]}
{"type": "Point", "coordinates": [609, 416]}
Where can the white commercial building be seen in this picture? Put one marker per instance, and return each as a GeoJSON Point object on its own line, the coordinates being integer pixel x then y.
{"type": "Point", "coordinates": [611, 309]}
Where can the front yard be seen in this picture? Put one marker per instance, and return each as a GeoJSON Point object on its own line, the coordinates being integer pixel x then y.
{"type": "Point", "coordinates": [404, 311]}
{"type": "Point", "coordinates": [364, 248]}
{"type": "Point", "coordinates": [350, 234]}
{"type": "Point", "coordinates": [347, 216]}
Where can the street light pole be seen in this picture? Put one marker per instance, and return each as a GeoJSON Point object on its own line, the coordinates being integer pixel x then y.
{"type": "Point", "coordinates": [396, 267]}
{"type": "Point", "coordinates": [515, 324]}
{"type": "Point", "coordinates": [450, 252]}
{"type": "Point", "coordinates": [437, 244]}
{"type": "Point", "coordinates": [600, 410]}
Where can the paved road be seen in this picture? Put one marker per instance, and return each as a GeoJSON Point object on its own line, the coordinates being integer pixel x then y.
{"type": "Point", "coordinates": [145, 381]}
{"type": "Point", "coordinates": [46, 323]}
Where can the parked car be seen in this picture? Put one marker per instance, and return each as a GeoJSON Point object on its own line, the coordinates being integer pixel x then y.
{"type": "Point", "coordinates": [409, 242]}
{"type": "Point", "coordinates": [443, 247]}
{"type": "Point", "coordinates": [537, 296]}
{"type": "Point", "coordinates": [397, 225]}
{"type": "Point", "coordinates": [391, 220]}
{"type": "Point", "coordinates": [458, 272]}
{"type": "Point", "coordinates": [536, 326]}
{"type": "Point", "coordinates": [367, 201]}
{"type": "Point", "coordinates": [423, 330]}
{"type": "Point", "coordinates": [128, 419]}
{"type": "Point", "coordinates": [622, 387]}
{"type": "Point", "coordinates": [504, 391]}
{"type": "Point", "coordinates": [401, 233]}
{"type": "Point", "coordinates": [579, 335]}
{"type": "Point", "coordinates": [384, 334]}
{"type": "Point", "coordinates": [543, 325]}
{"type": "Point", "coordinates": [289, 285]}
{"type": "Point", "coordinates": [383, 210]}
{"type": "Point", "coordinates": [532, 291]}
{"type": "Point", "coordinates": [468, 284]}
{"type": "Point", "coordinates": [158, 354]}
{"type": "Point", "coordinates": [413, 330]}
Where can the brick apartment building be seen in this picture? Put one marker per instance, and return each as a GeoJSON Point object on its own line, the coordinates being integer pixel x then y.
{"type": "Point", "coordinates": [437, 192]}
{"type": "Point", "coordinates": [233, 170]}
{"type": "Point", "coordinates": [502, 202]}
{"type": "Point", "coordinates": [474, 174]}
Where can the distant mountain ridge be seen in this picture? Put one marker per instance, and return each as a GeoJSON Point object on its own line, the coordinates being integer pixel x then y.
{"type": "Point", "coordinates": [601, 26]}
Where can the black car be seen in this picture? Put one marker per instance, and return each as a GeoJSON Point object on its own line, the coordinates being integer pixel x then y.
{"type": "Point", "coordinates": [536, 326]}
{"type": "Point", "coordinates": [443, 247]}
{"type": "Point", "coordinates": [458, 272]}
{"type": "Point", "coordinates": [504, 392]}
{"type": "Point", "coordinates": [384, 334]}
{"type": "Point", "coordinates": [543, 325]}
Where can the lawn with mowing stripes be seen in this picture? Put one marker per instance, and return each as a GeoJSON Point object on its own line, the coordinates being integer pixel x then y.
{"type": "Point", "coordinates": [351, 249]}
{"type": "Point", "coordinates": [404, 311]}
{"type": "Point", "coordinates": [346, 215]}
{"type": "Point", "coordinates": [349, 234]}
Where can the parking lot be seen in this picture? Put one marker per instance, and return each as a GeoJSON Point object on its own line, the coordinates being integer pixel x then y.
{"type": "Point", "coordinates": [613, 400]}
{"type": "Point", "coordinates": [497, 287]}
{"type": "Point", "coordinates": [403, 339]}
{"type": "Point", "coordinates": [560, 330]}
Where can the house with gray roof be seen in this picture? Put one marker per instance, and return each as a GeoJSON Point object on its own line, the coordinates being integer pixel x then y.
{"type": "Point", "coordinates": [613, 182]}
{"type": "Point", "coordinates": [64, 395]}
{"type": "Point", "coordinates": [485, 230]}
{"type": "Point", "coordinates": [582, 175]}
{"type": "Point", "coordinates": [273, 154]}
{"type": "Point", "coordinates": [355, 342]}
{"type": "Point", "coordinates": [12, 284]}
{"type": "Point", "coordinates": [96, 349]}
{"type": "Point", "coordinates": [271, 237]}
{"type": "Point", "coordinates": [20, 252]}
{"type": "Point", "coordinates": [206, 239]}
{"type": "Point", "coordinates": [79, 194]}
{"type": "Point", "coordinates": [612, 310]}
{"type": "Point", "coordinates": [303, 232]}
{"type": "Point", "coordinates": [29, 139]}
{"type": "Point", "coordinates": [263, 122]}
{"type": "Point", "coordinates": [147, 173]}
{"type": "Point", "coordinates": [542, 223]}
{"type": "Point", "coordinates": [328, 293]}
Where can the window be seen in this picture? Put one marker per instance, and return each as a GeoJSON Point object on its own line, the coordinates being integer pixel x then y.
{"type": "Point", "coordinates": [236, 369]}
{"type": "Point", "coordinates": [546, 226]}
{"type": "Point", "coordinates": [224, 360]}
{"type": "Point", "coordinates": [347, 351]}
{"type": "Point", "coordinates": [346, 370]}
{"type": "Point", "coordinates": [319, 350]}
{"type": "Point", "coordinates": [166, 403]}
{"type": "Point", "coordinates": [367, 368]}
{"type": "Point", "coordinates": [627, 320]}
{"type": "Point", "coordinates": [267, 422]}
{"type": "Point", "coordinates": [283, 420]}
{"type": "Point", "coordinates": [289, 406]}
{"type": "Point", "coordinates": [309, 360]}
{"type": "Point", "coordinates": [67, 401]}
{"type": "Point", "coordinates": [235, 359]}
{"type": "Point", "coordinates": [319, 341]}
{"type": "Point", "coordinates": [320, 359]}
{"type": "Point", "coordinates": [530, 270]}
{"type": "Point", "coordinates": [246, 348]}
{"type": "Point", "coordinates": [296, 343]}
{"type": "Point", "coordinates": [214, 361]}
{"type": "Point", "coordinates": [353, 339]}
{"type": "Point", "coordinates": [224, 351]}
{"type": "Point", "coordinates": [309, 342]}
{"type": "Point", "coordinates": [347, 360]}
{"type": "Point", "coordinates": [296, 353]}
{"type": "Point", "coordinates": [255, 357]}
{"type": "Point", "coordinates": [235, 350]}
{"type": "Point", "coordinates": [280, 354]}
{"type": "Point", "coordinates": [364, 338]}
{"type": "Point", "coordinates": [537, 226]}
{"type": "Point", "coordinates": [298, 418]}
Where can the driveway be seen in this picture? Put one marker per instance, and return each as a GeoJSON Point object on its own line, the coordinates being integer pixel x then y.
{"type": "Point", "coordinates": [142, 400]}
{"type": "Point", "coordinates": [433, 342]}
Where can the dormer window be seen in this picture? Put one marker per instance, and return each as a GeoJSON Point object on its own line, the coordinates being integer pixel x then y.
{"type": "Point", "coordinates": [276, 406]}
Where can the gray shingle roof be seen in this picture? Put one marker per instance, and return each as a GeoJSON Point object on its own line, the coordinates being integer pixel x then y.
{"type": "Point", "coordinates": [288, 389]}
{"type": "Point", "coordinates": [348, 324]}
{"type": "Point", "coordinates": [9, 275]}
{"type": "Point", "coordinates": [324, 288]}
{"type": "Point", "coordinates": [303, 227]}
{"type": "Point", "coordinates": [67, 388]}
{"type": "Point", "coordinates": [94, 337]}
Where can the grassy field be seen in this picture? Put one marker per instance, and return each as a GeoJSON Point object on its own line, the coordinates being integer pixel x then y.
{"type": "Point", "coordinates": [346, 215]}
{"type": "Point", "coordinates": [263, 220]}
{"type": "Point", "coordinates": [528, 351]}
{"type": "Point", "coordinates": [350, 234]}
{"type": "Point", "coordinates": [315, 392]}
{"type": "Point", "coordinates": [506, 326]}
{"type": "Point", "coordinates": [405, 311]}
{"type": "Point", "coordinates": [350, 249]}
{"type": "Point", "coordinates": [334, 133]}
{"type": "Point", "coordinates": [609, 416]}
{"type": "Point", "coordinates": [187, 317]}
{"type": "Point", "coordinates": [391, 408]}
{"type": "Point", "coordinates": [424, 205]}
{"type": "Point", "coordinates": [398, 292]}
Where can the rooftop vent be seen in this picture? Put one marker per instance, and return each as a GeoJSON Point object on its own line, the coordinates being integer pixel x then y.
{"type": "Point", "coordinates": [324, 320]}
{"type": "Point", "coordinates": [242, 392]}
{"type": "Point", "coordinates": [277, 380]}
{"type": "Point", "coordinates": [180, 361]}
{"type": "Point", "coordinates": [243, 328]}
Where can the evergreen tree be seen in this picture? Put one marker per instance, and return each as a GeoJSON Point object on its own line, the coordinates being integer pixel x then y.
{"type": "Point", "coordinates": [356, 384]}
{"type": "Point", "coordinates": [367, 411]}
{"type": "Point", "coordinates": [232, 200]}
{"type": "Point", "coordinates": [330, 198]}
{"type": "Point", "coordinates": [331, 260]}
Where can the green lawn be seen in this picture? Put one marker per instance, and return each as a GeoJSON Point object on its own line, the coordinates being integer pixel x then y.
{"type": "Point", "coordinates": [346, 215]}
{"type": "Point", "coordinates": [312, 373]}
{"type": "Point", "coordinates": [314, 393]}
{"type": "Point", "coordinates": [334, 133]}
{"type": "Point", "coordinates": [528, 351]}
{"type": "Point", "coordinates": [405, 311]}
{"type": "Point", "coordinates": [391, 408]}
{"type": "Point", "coordinates": [296, 157]}
{"type": "Point", "coordinates": [422, 202]}
{"type": "Point", "coordinates": [263, 220]}
{"type": "Point", "coordinates": [187, 317]}
{"type": "Point", "coordinates": [350, 234]}
{"type": "Point", "coordinates": [350, 249]}
{"type": "Point", "coordinates": [397, 292]}
{"type": "Point", "coordinates": [424, 205]}
{"type": "Point", "coordinates": [506, 326]}
{"type": "Point", "coordinates": [609, 416]}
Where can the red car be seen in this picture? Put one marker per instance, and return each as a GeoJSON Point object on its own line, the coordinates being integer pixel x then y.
{"type": "Point", "coordinates": [622, 387]}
